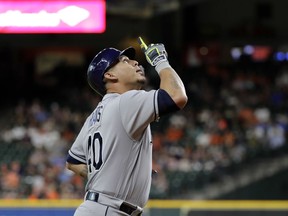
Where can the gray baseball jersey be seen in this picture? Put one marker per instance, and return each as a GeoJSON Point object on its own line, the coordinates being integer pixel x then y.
{"type": "Point", "coordinates": [116, 144]}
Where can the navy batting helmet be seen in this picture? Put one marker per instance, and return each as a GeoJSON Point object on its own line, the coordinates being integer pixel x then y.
{"type": "Point", "coordinates": [104, 60]}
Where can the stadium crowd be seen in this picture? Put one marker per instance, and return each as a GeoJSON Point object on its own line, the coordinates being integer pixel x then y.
{"type": "Point", "coordinates": [235, 114]}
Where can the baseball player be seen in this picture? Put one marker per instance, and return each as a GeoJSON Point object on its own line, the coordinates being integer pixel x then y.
{"type": "Point", "coordinates": [114, 147]}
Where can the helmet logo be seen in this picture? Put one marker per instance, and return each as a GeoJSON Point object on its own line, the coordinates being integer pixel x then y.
{"type": "Point", "coordinates": [91, 67]}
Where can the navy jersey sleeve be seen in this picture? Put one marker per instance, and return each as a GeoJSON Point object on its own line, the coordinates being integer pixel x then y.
{"type": "Point", "coordinates": [165, 103]}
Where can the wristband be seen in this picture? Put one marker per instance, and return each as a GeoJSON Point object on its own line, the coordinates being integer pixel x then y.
{"type": "Point", "coordinates": [162, 65]}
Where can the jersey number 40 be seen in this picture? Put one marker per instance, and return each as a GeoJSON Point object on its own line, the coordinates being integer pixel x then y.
{"type": "Point", "coordinates": [95, 144]}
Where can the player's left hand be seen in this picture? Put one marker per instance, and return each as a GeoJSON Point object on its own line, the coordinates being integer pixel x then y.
{"type": "Point", "coordinates": [154, 53]}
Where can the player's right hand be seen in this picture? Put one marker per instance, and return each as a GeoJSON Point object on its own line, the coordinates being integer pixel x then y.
{"type": "Point", "coordinates": [155, 53]}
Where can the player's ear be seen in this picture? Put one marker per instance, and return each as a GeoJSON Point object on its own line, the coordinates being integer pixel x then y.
{"type": "Point", "coordinates": [109, 75]}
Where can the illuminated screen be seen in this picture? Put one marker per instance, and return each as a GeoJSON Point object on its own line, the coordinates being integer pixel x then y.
{"type": "Point", "coordinates": [53, 16]}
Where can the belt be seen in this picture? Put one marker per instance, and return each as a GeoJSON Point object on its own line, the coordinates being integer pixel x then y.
{"type": "Point", "coordinates": [124, 206]}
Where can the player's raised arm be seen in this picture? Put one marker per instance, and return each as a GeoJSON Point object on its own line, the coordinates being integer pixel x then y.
{"type": "Point", "coordinates": [170, 81]}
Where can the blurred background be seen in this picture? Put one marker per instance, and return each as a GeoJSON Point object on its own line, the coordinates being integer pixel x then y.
{"type": "Point", "coordinates": [230, 141]}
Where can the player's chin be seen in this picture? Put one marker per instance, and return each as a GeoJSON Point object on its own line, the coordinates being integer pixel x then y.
{"type": "Point", "coordinates": [142, 80]}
